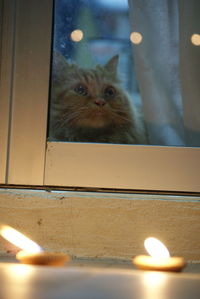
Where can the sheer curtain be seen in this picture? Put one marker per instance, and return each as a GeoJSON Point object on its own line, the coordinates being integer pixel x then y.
{"type": "Point", "coordinates": [168, 69]}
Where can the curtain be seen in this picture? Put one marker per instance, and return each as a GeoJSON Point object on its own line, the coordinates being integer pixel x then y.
{"type": "Point", "coordinates": [168, 69]}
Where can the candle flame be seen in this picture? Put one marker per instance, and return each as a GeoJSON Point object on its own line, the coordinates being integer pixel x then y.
{"type": "Point", "coordinates": [156, 248]}
{"type": "Point", "coordinates": [19, 240]}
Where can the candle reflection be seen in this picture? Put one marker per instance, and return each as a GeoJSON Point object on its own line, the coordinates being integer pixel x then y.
{"type": "Point", "coordinates": [19, 278]}
{"type": "Point", "coordinates": [154, 279]}
{"type": "Point", "coordinates": [19, 272]}
{"type": "Point", "coordinates": [154, 283]}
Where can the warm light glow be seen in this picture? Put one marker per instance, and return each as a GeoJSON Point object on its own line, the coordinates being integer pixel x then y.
{"type": "Point", "coordinates": [195, 39]}
{"type": "Point", "coordinates": [156, 248]}
{"type": "Point", "coordinates": [19, 240]}
{"type": "Point", "coordinates": [136, 38]}
{"type": "Point", "coordinates": [18, 272]}
{"type": "Point", "coordinates": [154, 279]}
{"type": "Point", "coordinates": [77, 35]}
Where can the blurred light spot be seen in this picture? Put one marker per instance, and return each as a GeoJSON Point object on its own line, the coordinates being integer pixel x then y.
{"type": "Point", "coordinates": [19, 272]}
{"type": "Point", "coordinates": [154, 280]}
{"type": "Point", "coordinates": [136, 38]}
{"type": "Point", "coordinates": [77, 35]}
{"type": "Point", "coordinates": [195, 39]}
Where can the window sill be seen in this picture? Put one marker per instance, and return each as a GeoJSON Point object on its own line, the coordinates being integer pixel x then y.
{"type": "Point", "coordinates": [103, 225]}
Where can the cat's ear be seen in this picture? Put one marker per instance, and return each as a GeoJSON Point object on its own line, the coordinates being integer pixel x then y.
{"type": "Point", "coordinates": [112, 64]}
{"type": "Point", "coordinates": [60, 66]}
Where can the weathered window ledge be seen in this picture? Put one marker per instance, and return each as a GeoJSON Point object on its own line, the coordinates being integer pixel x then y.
{"type": "Point", "coordinates": [103, 225]}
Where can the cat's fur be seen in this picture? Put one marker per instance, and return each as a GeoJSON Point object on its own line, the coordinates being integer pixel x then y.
{"type": "Point", "coordinates": [88, 105]}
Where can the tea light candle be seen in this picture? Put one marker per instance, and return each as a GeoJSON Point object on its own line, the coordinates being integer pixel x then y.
{"type": "Point", "coordinates": [45, 258]}
{"type": "Point", "coordinates": [32, 253]}
{"type": "Point", "coordinates": [159, 259]}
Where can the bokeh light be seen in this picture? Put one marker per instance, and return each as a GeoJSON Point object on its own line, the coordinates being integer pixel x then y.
{"type": "Point", "coordinates": [77, 35]}
{"type": "Point", "coordinates": [195, 39]}
{"type": "Point", "coordinates": [136, 38]}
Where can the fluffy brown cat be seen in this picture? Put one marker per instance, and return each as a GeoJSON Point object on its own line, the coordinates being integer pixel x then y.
{"type": "Point", "coordinates": [88, 105]}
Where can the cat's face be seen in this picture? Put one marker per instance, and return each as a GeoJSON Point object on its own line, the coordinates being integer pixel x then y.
{"type": "Point", "coordinates": [92, 97]}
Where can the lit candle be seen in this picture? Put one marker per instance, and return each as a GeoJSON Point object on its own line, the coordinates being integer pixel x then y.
{"type": "Point", "coordinates": [159, 259]}
{"type": "Point", "coordinates": [31, 252]}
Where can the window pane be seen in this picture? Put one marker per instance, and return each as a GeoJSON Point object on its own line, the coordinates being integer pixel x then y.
{"type": "Point", "coordinates": [93, 75]}
{"type": "Point", "coordinates": [99, 47]}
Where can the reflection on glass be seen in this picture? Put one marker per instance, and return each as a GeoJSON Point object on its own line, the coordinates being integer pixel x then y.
{"type": "Point", "coordinates": [98, 47]}
{"type": "Point", "coordinates": [195, 39]}
{"type": "Point", "coordinates": [136, 38]}
{"type": "Point", "coordinates": [76, 35]}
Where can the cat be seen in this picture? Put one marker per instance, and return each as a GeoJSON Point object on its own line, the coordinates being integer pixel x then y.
{"type": "Point", "coordinates": [88, 105]}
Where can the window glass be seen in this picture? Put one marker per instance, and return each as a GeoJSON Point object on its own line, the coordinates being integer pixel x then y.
{"type": "Point", "coordinates": [94, 95]}
{"type": "Point", "coordinates": [119, 73]}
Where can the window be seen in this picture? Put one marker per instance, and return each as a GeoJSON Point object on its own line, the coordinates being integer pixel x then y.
{"type": "Point", "coordinates": [30, 159]}
{"type": "Point", "coordinates": [92, 73]}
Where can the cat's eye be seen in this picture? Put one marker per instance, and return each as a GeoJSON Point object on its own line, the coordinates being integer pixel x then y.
{"type": "Point", "coordinates": [81, 89]}
{"type": "Point", "coordinates": [109, 92]}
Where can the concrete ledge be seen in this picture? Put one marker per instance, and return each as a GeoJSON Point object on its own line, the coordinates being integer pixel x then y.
{"type": "Point", "coordinates": [103, 225]}
{"type": "Point", "coordinates": [104, 263]}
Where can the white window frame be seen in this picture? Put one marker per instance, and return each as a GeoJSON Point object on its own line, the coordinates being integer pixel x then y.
{"type": "Point", "coordinates": [28, 91]}
{"type": "Point", "coordinates": [31, 160]}
{"type": "Point", "coordinates": [7, 17]}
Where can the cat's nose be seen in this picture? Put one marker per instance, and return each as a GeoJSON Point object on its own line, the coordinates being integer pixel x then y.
{"type": "Point", "coordinates": [100, 102]}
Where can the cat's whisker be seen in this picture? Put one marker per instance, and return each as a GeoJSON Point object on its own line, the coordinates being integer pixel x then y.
{"type": "Point", "coordinates": [119, 115]}
{"type": "Point", "coordinates": [69, 118]}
